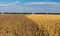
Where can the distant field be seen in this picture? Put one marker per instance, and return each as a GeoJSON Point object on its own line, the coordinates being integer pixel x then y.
{"type": "Point", "coordinates": [29, 25]}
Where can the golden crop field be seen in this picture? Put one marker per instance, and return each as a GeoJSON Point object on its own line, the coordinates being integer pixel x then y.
{"type": "Point", "coordinates": [49, 25]}
{"type": "Point", "coordinates": [29, 25]}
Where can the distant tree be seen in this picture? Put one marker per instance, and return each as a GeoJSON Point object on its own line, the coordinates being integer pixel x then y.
{"type": "Point", "coordinates": [0, 13]}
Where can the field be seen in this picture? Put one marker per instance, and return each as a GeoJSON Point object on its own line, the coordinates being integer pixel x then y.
{"type": "Point", "coordinates": [49, 25]}
{"type": "Point", "coordinates": [29, 25]}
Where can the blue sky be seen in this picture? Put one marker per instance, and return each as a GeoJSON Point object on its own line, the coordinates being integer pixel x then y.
{"type": "Point", "coordinates": [51, 6]}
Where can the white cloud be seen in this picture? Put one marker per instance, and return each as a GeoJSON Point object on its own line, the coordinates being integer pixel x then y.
{"type": "Point", "coordinates": [8, 4]}
{"type": "Point", "coordinates": [38, 3]}
{"type": "Point", "coordinates": [16, 2]}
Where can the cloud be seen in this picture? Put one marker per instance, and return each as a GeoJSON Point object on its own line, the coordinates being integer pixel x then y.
{"type": "Point", "coordinates": [39, 3]}
{"type": "Point", "coordinates": [16, 2]}
{"type": "Point", "coordinates": [8, 4]}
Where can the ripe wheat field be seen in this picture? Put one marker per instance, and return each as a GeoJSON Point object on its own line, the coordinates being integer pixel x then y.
{"type": "Point", "coordinates": [29, 25]}
{"type": "Point", "coordinates": [49, 25]}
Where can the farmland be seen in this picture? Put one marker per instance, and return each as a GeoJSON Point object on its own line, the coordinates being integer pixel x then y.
{"type": "Point", "coordinates": [29, 25]}
{"type": "Point", "coordinates": [49, 24]}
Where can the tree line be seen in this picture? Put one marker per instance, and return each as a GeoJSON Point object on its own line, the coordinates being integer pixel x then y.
{"type": "Point", "coordinates": [25, 13]}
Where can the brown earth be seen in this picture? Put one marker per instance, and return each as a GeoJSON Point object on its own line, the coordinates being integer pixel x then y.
{"type": "Point", "coordinates": [17, 25]}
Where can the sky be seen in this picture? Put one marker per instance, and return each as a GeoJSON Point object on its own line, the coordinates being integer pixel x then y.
{"type": "Point", "coordinates": [38, 6]}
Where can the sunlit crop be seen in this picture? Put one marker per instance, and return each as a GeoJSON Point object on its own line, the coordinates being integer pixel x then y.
{"type": "Point", "coordinates": [49, 25]}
